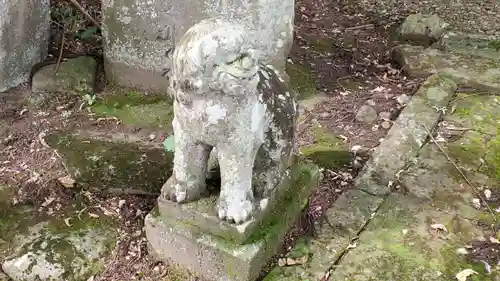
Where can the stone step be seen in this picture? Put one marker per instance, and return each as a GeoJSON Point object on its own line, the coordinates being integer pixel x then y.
{"type": "Point", "coordinates": [467, 68]}
{"type": "Point", "coordinates": [69, 246]}
{"type": "Point", "coordinates": [114, 162]}
{"type": "Point", "coordinates": [485, 46]}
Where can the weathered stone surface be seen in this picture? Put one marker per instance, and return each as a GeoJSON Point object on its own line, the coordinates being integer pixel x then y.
{"type": "Point", "coordinates": [215, 258]}
{"type": "Point", "coordinates": [302, 79]}
{"type": "Point", "coordinates": [482, 73]}
{"type": "Point", "coordinates": [421, 29]}
{"type": "Point", "coordinates": [402, 242]}
{"type": "Point", "coordinates": [341, 223]}
{"type": "Point", "coordinates": [24, 35]}
{"type": "Point", "coordinates": [366, 114]}
{"type": "Point", "coordinates": [113, 162]}
{"type": "Point", "coordinates": [139, 109]}
{"type": "Point", "coordinates": [138, 33]}
{"type": "Point", "coordinates": [226, 99]}
{"type": "Point", "coordinates": [328, 151]}
{"type": "Point", "coordinates": [75, 75]}
{"type": "Point", "coordinates": [310, 102]}
{"type": "Point", "coordinates": [486, 46]}
{"type": "Point", "coordinates": [407, 135]}
{"type": "Point", "coordinates": [46, 248]}
{"type": "Point", "coordinates": [203, 213]}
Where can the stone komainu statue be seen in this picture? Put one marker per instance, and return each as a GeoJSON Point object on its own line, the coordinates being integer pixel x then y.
{"type": "Point", "coordinates": [225, 98]}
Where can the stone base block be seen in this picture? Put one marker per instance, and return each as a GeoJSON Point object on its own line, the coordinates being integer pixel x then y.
{"type": "Point", "coordinates": [217, 258]}
{"type": "Point", "coordinates": [203, 213]}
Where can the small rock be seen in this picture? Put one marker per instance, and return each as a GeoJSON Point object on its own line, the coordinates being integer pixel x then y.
{"type": "Point", "coordinates": [74, 75]}
{"type": "Point", "coordinates": [324, 115]}
{"type": "Point", "coordinates": [421, 29]}
{"type": "Point", "coordinates": [371, 102]}
{"type": "Point", "coordinates": [366, 114]}
{"type": "Point", "coordinates": [386, 125]}
{"type": "Point", "coordinates": [403, 99]}
{"type": "Point", "coordinates": [384, 115]}
{"type": "Point", "coordinates": [476, 203]}
{"type": "Point", "coordinates": [67, 181]}
{"type": "Point", "coordinates": [152, 136]}
{"type": "Point", "coordinates": [487, 193]}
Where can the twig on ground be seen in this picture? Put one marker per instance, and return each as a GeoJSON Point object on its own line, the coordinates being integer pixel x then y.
{"type": "Point", "coordinates": [81, 9]}
{"type": "Point", "coordinates": [63, 39]}
{"type": "Point", "coordinates": [478, 194]}
{"type": "Point", "coordinates": [367, 26]}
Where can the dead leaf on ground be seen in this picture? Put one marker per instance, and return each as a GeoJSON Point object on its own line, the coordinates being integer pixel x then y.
{"type": "Point", "coordinates": [439, 226]}
{"type": "Point", "coordinates": [462, 275]}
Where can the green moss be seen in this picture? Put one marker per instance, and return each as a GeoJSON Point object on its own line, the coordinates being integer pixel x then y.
{"type": "Point", "coordinates": [302, 79]}
{"type": "Point", "coordinates": [113, 166]}
{"type": "Point", "coordinates": [153, 111]}
{"type": "Point", "coordinates": [305, 178]}
{"type": "Point", "coordinates": [494, 44]}
{"type": "Point", "coordinates": [454, 263]}
{"type": "Point", "coordinates": [328, 151]}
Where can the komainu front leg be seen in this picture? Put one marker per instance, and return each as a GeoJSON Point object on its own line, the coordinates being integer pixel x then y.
{"type": "Point", "coordinates": [187, 182]}
{"type": "Point", "coordinates": [236, 198]}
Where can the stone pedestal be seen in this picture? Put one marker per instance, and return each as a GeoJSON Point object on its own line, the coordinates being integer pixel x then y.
{"type": "Point", "coordinates": [24, 34]}
{"type": "Point", "coordinates": [138, 33]}
{"type": "Point", "coordinates": [191, 237]}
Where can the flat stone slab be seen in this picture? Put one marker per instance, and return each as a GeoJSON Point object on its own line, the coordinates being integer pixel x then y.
{"type": "Point", "coordinates": [113, 162]}
{"type": "Point", "coordinates": [480, 45]}
{"type": "Point", "coordinates": [24, 39]}
{"type": "Point", "coordinates": [45, 248]}
{"type": "Point", "coordinates": [464, 68]}
{"type": "Point", "coordinates": [75, 75]}
{"type": "Point", "coordinates": [340, 224]}
{"type": "Point", "coordinates": [404, 242]}
{"type": "Point", "coordinates": [215, 258]}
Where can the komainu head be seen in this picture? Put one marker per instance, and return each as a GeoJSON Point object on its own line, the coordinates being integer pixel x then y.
{"type": "Point", "coordinates": [215, 55]}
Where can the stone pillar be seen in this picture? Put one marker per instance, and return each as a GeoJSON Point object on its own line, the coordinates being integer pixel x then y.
{"type": "Point", "coordinates": [24, 34]}
{"type": "Point", "coordinates": [138, 33]}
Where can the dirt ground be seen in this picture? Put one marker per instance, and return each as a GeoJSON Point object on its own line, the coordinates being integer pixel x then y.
{"type": "Point", "coordinates": [346, 51]}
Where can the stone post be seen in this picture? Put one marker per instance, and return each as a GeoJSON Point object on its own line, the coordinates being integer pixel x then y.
{"type": "Point", "coordinates": [24, 34]}
{"type": "Point", "coordinates": [139, 33]}
{"type": "Point", "coordinates": [226, 99]}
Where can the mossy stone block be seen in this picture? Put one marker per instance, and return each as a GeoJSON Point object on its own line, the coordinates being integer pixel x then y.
{"type": "Point", "coordinates": [76, 75]}
{"type": "Point", "coordinates": [302, 80]}
{"type": "Point", "coordinates": [215, 258]}
{"type": "Point", "coordinates": [480, 72]}
{"type": "Point", "coordinates": [328, 151]}
{"type": "Point", "coordinates": [39, 247]}
{"type": "Point", "coordinates": [150, 111]}
{"type": "Point", "coordinates": [113, 163]}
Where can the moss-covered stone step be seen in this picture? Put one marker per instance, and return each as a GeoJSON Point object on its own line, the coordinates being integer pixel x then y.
{"type": "Point", "coordinates": [466, 69]}
{"type": "Point", "coordinates": [152, 111]}
{"type": "Point", "coordinates": [302, 80]}
{"type": "Point", "coordinates": [482, 45]}
{"type": "Point", "coordinates": [216, 258]}
{"type": "Point", "coordinates": [203, 213]}
{"type": "Point", "coordinates": [328, 150]}
{"type": "Point", "coordinates": [112, 162]}
{"type": "Point", "coordinates": [409, 239]}
{"type": "Point", "coordinates": [39, 247]}
{"type": "Point", "coordinates": [341, 223]}
{"type": "Point", "coordinates": [407, 135]}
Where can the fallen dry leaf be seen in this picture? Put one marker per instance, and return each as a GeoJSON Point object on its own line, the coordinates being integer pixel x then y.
{"type": "Point", "coordinates": [462, 275]}
{"type": "Point", "coordinates": [67, 181]}
{"type": "Point", "coordinates": [66, 221]}
{"type": "Point", "coordinates": [439, 226]}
